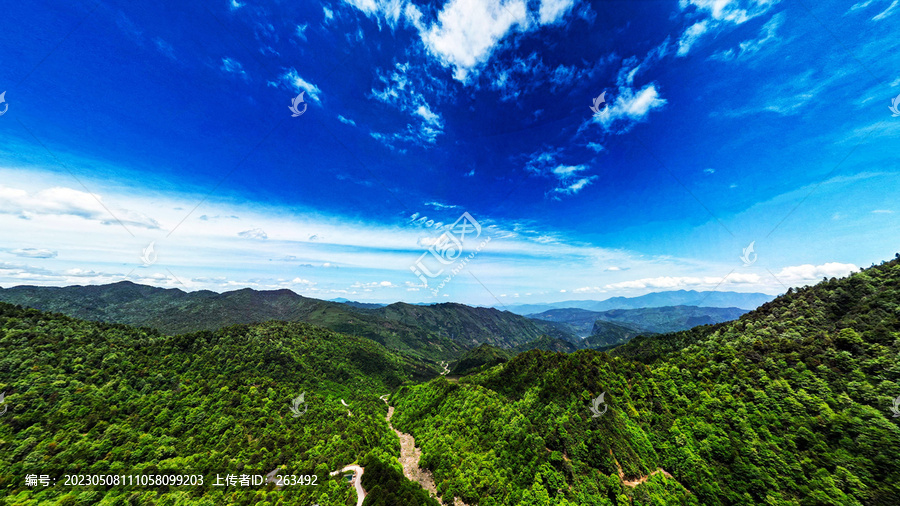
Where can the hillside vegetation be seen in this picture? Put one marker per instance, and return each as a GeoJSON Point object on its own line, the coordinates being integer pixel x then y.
{"type": "Point", "coordinates": [93, 398]}
{"type": "Point", "coordinates": [438, 332]}
{"type": "Point", "coordinates": [787, 406]}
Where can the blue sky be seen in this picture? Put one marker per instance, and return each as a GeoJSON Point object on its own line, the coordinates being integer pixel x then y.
{"type": "Point", "coordinates": [724, 123]}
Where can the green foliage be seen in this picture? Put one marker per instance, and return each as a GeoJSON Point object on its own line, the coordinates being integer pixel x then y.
{"type": "Point", "coordinates": [788, 406]}
{"type": "Point", "coordinates": [483, 357]}
{"type": "Point", "coordinates": [387, 486]}
{"type": "Point", "coordinates": [89, 398]}
{"type": "Point", "coordinates": [547, 343]}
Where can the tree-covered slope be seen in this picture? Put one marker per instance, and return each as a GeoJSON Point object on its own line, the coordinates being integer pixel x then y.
{"type": "Point", "coordinates": [477, 359]}
{"type": "Point", "coordinates": [173, 311]}
{"type": "Point", "coordinates": [606, 334]}
{"type": "Point", "coordinates": [471, 326]}
{"type": "Point", "coordinates": [787, 406]}
{"type": "Point", "coordinates": [436, 332]}
{"type": "Point", "coordinates": [546, 343]}
{"type": "Point", "coordinates": [103, 399]}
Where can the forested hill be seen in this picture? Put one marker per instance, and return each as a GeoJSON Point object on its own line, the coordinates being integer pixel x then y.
{"type": "Point", "coordinates": [438, 332]}
{"type": "Point", "coordinates": [472, 326]}
{"type": "Point", "coordinates": [789, 405]}
{"type": "Point", "coordinates": [103, 399]}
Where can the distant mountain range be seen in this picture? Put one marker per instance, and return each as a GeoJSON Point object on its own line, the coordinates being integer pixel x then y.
{"type": "Point", "coordinates": [648, 320]}
{"type": "Point", "coordinates": [740, 300]}
{"type": "Point", "coordinates": [436, 332]}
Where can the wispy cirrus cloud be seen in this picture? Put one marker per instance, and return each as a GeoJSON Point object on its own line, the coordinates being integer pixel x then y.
{"type": "Point", "coordinates": [398, 89]}
{"type": "Point", "coordinates": [717, 15]}
{"type": "Point", "coordinates": [768, 35]}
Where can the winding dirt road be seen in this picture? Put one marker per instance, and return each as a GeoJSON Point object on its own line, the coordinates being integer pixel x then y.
{"type": "Point", "coordinates": [642, 479]}
{"type": "Point", "coordinates": [357, 481]}
{"type": "Point", "coordinates": [409, 459]}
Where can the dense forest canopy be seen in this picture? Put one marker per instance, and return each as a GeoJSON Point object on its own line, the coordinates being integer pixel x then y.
{"type": "Point", "coordinates": [788, 405]}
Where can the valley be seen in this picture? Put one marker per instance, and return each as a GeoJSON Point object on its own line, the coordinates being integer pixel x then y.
{"type": "Point", "coordinates": [786, 403]}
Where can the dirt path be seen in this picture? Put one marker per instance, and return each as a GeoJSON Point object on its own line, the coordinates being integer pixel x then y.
{"type": "Point", "coordinates": [642, 479]}
{"type": "Point", "coordinates": [409, 459]}
{"type": "Point", "coordinates": [357, 481]}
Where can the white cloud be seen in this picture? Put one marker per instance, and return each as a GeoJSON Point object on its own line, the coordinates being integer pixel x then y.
{"type": "Point", "coordinates": [400, 91]}
{"type": "Point", "coordinates": [33, 253]}
{"type": "Point", "coordinates": [629, 106]}
{"type": "Point", "coordinates": [439, 206]}
{"type": "Point", "coordinates": [301, 31]}
{"type": "Point", "coordinates": [887, 12]}
{"type": "Point", "coordinates": [690, 37]}
{"type": "Point", "coordinates": [389, 10]}
{"type": "Point", "coordinates": [574, 187]}
{"type": "Point", "coordinates": [808, 273]}
{"type": "Point", "coordinates": [709, 171]}
{"type": "Point", "coordinates": [568, 179]}
{"type": "Point", "coordinates": [329, 14]}
{"type": "Point", "coordinates": [60, 201]}
{"type": "Point", "coordinates": [468, 32]}
{"type": "Point", "coordinates": [588, 289]}
{"type": "Point", "coordinates": [552, 11]}
{"type": "Point", "coordinates": [232, 66]}
{"type": "Point", "coordinates": [374, 284]}
{"type": "Point", "coordinates": [721, 14]}
{"type": "Point", "coordinates": [767, 35]}
{"type": "Point", "coordinates": [732, 11]}
{"type": "Point", "coordinates": [566, 171]}
{"type": "Point", "coordinates": [236, 5]}
{"type": "Point", "coordinates": [346, 121]}
{"type": "Point", "coordinates": [294, 79]}
{"type": "Point", "coordinates": [672, 282]}
{"type": "Point", "coordinates": [255, 233]}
